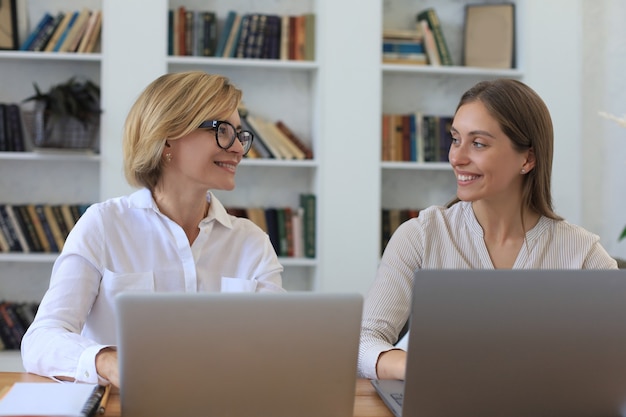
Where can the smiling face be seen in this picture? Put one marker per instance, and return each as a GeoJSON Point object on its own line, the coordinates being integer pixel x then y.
{"type": "Point", "coordinates": [485, 163]}
{"type": "Point", "coordinates": [197, 161]}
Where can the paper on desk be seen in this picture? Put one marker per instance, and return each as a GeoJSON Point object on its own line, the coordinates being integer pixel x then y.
{"type": "Point", "coordinates": [46, 399]}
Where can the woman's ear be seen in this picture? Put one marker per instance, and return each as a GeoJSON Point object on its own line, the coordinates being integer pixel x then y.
{"type": "Point", "coordinates": [530, 161]}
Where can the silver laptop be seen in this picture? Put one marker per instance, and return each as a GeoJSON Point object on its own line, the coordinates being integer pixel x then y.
{"type": "Point", "coordinates": [514, 343]}
{"type": "Point", "coordinates": [238, 355]}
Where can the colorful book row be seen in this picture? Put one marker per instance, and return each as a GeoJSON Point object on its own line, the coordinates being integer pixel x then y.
{"type": "Point", "coordinates": [71, 31]}
{"type": "Point", "coordinates": [390, 220]}
{"type": "Point", "coordinates": [416, 137]}
{"type": "Point", "coordinates": [15, 318]}
{"type": "Point", "coordinates": [248, 35]}
{"type": "Point", "coordinates": [291, 230]}
{"type": "Point", "coordinates": [11, 128]}
{"type": "Point", "coordinates": [37, 228]}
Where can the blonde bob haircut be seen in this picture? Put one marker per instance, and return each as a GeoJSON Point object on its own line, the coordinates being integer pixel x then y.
{"type": "Point", "coordinates": [169, 108]}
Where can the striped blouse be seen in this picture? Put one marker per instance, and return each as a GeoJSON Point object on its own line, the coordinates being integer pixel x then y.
{"type": "Point", "coordinates": [452, 238]}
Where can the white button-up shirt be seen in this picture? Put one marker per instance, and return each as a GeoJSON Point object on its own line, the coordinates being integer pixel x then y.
{"type": "Point", "coordinates": [126, 244]}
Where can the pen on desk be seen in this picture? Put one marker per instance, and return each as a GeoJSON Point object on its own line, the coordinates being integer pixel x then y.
{"type": "Point", "coordinates": [105, 399]}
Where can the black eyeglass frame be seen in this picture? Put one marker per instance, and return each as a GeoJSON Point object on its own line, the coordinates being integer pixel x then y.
{"type": "Point", "coordinates": [215, 124]}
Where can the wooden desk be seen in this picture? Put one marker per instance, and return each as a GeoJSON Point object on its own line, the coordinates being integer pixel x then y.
{"type": "Point", "coordinates": [366, 401]}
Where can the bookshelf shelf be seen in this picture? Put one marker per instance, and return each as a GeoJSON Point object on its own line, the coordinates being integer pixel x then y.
{"type": "Point", "coordinates": [50, 56]}
{"type": "Point", "coordinates": [277, 163]}
{"type": "Point", "coordinates": [29, 258]}
{"type": "Point", "coordinates": [417, 166]}
{"type": "Point", "coordinates": [451, 71]}
{"type": "Point", "coordinates": [243, 62]}
{"type": "Point", "coordinates": [61, 155]}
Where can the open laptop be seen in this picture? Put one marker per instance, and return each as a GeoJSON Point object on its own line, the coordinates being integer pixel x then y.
{"type": "Point", "coordinates": [514, 343]}
{"type": "Point", "coordinates": [238, 355]}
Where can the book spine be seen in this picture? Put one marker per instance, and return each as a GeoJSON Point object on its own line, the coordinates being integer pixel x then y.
{"type": "Point", "coordinates": [41, 42]}
{"type": "Point", "coordinates": [20, 233]}
{"type": "Point", "coordinates": [210, 33]}
{"type": "Point", "coordinates": [66, 31]}
{"type": "Point", "coordinates": [27, 225]}
{"type": "Point", "coordinates": [8, 230]}
{"type": "Point", "coordinates": [14, 127]}
{"type": "Point", "coordinates": [307, 202]}
{"type": "Point", "coordinates": [271, 218]}
{"type": "Point", "coordinates": [435, 26]}
{"type": "Point", "coordinates": [47, 228]}
{"type": "Point", "coordinates": [26, 45]}
{"type": "Point", "coordinates": [308, 152]}
{"type": "Point", "coordinates": [33, 215]}
{"type": "Point", "coordinates": [4, 142]}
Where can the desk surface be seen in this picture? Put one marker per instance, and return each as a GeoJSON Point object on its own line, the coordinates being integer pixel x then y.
{"type": "Point", "coordinates": [366, 401]}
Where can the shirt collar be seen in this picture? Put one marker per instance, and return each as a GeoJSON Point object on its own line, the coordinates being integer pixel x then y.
{"type": "Point", "coordinates": [142, 199]}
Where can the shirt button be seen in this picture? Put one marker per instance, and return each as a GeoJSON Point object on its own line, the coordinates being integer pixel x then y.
{"type": "Point", "coordinates": [86, 374]}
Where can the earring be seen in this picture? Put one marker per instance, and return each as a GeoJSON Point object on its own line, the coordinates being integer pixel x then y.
{"type": "Point", "coordinates": [523, 171]}
{"type": "Point", "coordinates": [168, 157]}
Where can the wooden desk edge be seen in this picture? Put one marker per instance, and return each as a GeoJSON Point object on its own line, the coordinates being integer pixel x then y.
{"type": "Point", "coordinates": [366, 401]}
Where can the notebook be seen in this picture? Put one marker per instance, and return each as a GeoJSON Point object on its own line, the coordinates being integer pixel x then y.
{"type": "Point", "coordinates": [238, 354]}
{"type": "Point", "coordinates": [516, 343]}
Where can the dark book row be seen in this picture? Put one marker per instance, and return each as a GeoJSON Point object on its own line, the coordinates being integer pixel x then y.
{"type": "Point", "coordinates": [15, 318]}
{"type": "Point", "coordinates": [247, 35]}
{"type": "Point", "coordinates": [71, 31]}
{"type": "Point", "coordinates": [11, 128]}
{"type": "Point", "coordinates": [416, 137]}
{"type": "Point", "coordinates": [291, 230]}
{"type": "Point", "coordinates": [390, 220]}
{"type": "Point", "coordinates": [37, 228]}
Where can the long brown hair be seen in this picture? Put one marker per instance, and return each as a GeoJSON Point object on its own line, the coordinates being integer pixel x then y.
{"type": "Point", "coordinates": [525, 119]}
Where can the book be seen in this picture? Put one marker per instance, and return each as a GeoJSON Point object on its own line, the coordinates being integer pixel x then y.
{"type": "Point", "coordinates": [297, 226]}
{"type": "Point", "coordinates": [489, 35]}
{"type": "Point", "coordinates": [306, 150]}
{"type": "Point", "coordinates": [257, 216]}
{"type": "Point", "coordinates": [60, 29]}
{"type": "Point", "coordinates": [28, 227]}
{"type": "Point", "coordinates": [281, 226]}
{"type": "Point", "coordinates": [209, 28]}
{"type": "Point", "coordinates": [309, 37]}
{"type": "Point", "coordinates": [66, 31]}
{"type": "Point", "coordinates": [77, 32]}
{"type": "Point", "coordinates": [39, 229]}
{"type": "Point", "coordinates": [94, 37]}
{"type": "Point", "coordinates": [257, 124]}
{"type": "Point", "coordinates": [224, 33]}
{"type": "Point", "coordinates": [8, 230]}
{"type": "Point", "coordinates": [284, 37]}
{"type": "Point", "coordinates": [43, 22]}
{"type": "Point", "coordinates": [52, 242]}
{"type": "Point", "coordinates": [42, 39]}
{"type": "Point", "coordinates": [307, 202]}
{"type": "Point", "coordinates": [231, 41]}
{"type": "Point", "coordinates": [52, 399]}
{"type": "Point", "coordinates": [14, 128]}
{"type": "Point", "coordinates": [430, 16]}
{"type": "Point", "coordinates": [286, 143]}
{"type": "Point", "coordinates": [90, 31]}
{"type": "Point", "coordinates": [55, 227]}
{"type": "Point", "coordinates": [15, 223]}
{"type": "Point", "coordinates": [4, 143]}
{"type": "Point", "coordinates": [430, 46]}
{"type": "Point", "coordinates": [271, 219]}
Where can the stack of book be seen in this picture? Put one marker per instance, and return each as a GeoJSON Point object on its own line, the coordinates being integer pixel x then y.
{"type": "Point", "coordinates": [403, 46]}
{"type": "Point", "coordinates": [416, 137]}
{"type": "Point", "coordinates": [435, 43]}
{"type": "Point", "coordinates": [71, 31]}
{"type": "Point", "coordinates": [248, 35]}
{"type": "Point", "coordinates": [291, 230]}
{"type": "Point", "coordinates": [38, 228]}
{"type": "Point", "coordinates": [273, 139]}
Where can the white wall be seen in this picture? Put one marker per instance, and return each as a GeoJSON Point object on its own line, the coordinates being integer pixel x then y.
{"type": "Point", "coordinates": [603, 181]}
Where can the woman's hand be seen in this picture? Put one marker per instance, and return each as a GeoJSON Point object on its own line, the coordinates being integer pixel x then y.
{"type": "Point", "coordinates": [391, 364]}
{"type": "Point", "coordinates": [107, 366]}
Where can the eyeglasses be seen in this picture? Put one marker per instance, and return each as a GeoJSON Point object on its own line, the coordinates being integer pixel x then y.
{"type": "Point", "coordinates": [225, 134]}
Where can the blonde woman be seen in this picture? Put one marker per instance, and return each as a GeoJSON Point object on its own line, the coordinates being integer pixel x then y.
{"type": "Point", "coordinates": [182, 138]}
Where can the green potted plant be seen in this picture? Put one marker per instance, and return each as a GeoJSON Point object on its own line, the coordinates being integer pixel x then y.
{"type": "Point", "coordinates": [67, 115]}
